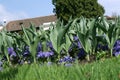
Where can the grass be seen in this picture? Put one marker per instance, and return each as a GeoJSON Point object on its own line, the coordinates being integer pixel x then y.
{"type": "Point", "coordinates": [108, 69]}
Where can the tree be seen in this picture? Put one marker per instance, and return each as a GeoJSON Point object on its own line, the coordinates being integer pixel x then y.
{"type": "Point", "coordinates": [76, 8]}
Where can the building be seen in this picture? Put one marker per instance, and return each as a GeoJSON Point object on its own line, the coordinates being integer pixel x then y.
{"type": "Point", "coordinates": [45, 20]}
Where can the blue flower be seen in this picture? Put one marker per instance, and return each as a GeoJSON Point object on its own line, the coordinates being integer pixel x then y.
{"type": "Point", "coordinates": [45, 54]}
{"type": "Point", "coordinates": [61, 60]}
{"type": "Point", "coordinates": [49, 44]}
{"type": "Point", "coordinates": [40, 54]}
{"type": "Point", "coordinates": [11, 52]}
{"type": "Point", "coordinates": [66, 59]}
{"type": "Point", "coordinates": [26, 51]}
{"type": "Point", "coordinates": [116, 53]}
{"type": "Point", "coordinates": [39, 47]}
{"type": "Point", "coordinates": [81, 54]}
{"type": "Point", "coordinates": [116, 48]}
{"type": "Point", "coordinates": [105, 47]}
{"type": "Point", "coordinates": [75, 38]}
{"type": "Point", "coordinates": [21, 62]}
{"type": "Point", "coordinates": [117, 43]}
{"type": "Point", "coordinates": [102, 47]}
{"type": "Point", "coordinates": [79, 44]}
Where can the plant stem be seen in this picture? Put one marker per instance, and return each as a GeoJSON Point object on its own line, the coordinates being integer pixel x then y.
{"type": "Point", "coordinates": [111, 52]}
{"type": "Point", "coordinates": [34, 60]}
{"type": "Point", "coordinates": [88, 57]}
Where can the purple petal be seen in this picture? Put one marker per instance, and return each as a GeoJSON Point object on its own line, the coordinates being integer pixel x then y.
{"type": "Point", "coordinates": [75, 38]}
{"type": "Point", "coordinates": [116, 48]}
{"type": "Point", "coordinates": [40, 54]}
{"type": "Point", "coordinates": [11, 52]}
{"type": "Point", "coordinates": [116, 53]}
{"type": "Point", "coordinates": [39, 48]}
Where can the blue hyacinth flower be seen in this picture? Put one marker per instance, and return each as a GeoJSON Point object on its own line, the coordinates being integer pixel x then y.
{"type": "Point", "coordinates": [117, 43]}
{"type": "Point", "coordinates": [45, 54]}
{"type": "Point", "coordinates": [26, 51]}
{"type": "Point", "coordinates": [76, 39]}
{"type": "Point", "coordinates": [11, 52]}
{"type": "Point", "coordinates": [116, 53]}
{"type": "Point", "coordinates": [49, 44]}
{"type": "Point", "coordinates": [81, 53]}
{"type": "Point", "coordinates": [102, 47]}
{"type": "Point", "coordinates": [40, 54]}
{"type": "Point", "coordinates": [39, 47]}
{"type": "Point", "coordinates": [66, 59]}
{"type": "Point", "coordinates": [116, 48]}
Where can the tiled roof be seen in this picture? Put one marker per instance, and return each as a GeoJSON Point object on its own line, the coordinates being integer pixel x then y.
{"type": "Point", "coordinates": [16, 25]}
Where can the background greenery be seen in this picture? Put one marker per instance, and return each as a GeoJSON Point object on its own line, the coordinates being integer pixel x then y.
{"type": "Point", "coordinates": [77, 8]}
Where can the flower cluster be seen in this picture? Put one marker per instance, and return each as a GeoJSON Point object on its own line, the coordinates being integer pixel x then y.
{"type": "Point", "coordinates": [76, 39]}
{"type": "Point", "coordinates": [45, 54]}
{"type": "Point", "coordinates": [77, 47]}
{"type": "Point", "coordinates": [26, 51]}
{"type": "Point", "coordinates": [41, 54]}
{"type": "Point", "coordinates": [66, 59]}
{"type": "Point", "coordinates": [116, 48]}
{"type": "Point", "coordinates": [26, 56]}
{"type": "Point", "coordinates": [102, 47]}
{"type": "Point", "coordinates": [81, 55]}
{"type": "Point", "coordinates": [49, 44]}
{"type": "Point", "coordinates": [39, 47]}
{"type": "Point", "coordinates": [13, 56]}
{"type": "Point", "coordinates": [11, 53]}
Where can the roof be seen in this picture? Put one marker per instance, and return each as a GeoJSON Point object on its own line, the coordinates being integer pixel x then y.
{"type": "Point", "coordinates": [16, 25]}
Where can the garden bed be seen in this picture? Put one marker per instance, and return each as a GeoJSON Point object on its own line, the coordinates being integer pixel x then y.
{"type": "Point", "coordinates": [81, 49]}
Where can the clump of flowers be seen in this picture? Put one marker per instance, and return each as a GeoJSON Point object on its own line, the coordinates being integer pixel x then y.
{"type": "Point", "coordinates": [101, 47]}
{"type": "Point", "coordinates": [26, 55]}
{"type": "Point", "coordinates": [66, 60]}
{"type": "Point", "coordinates": [49, 44]}
{"type": "Point", "coordinates": [81, 55]}
{"type": "Point", "coordinates": [12, 55]}
{"type": "Point", "coordinates": [44, 55]}
{"type": "Point", "coordinates": [11, 52]}
{"type": "Point", "coordinates": [76, 39]}
{"type": "Point", "coordinates": [26, 51]}
{"type": "Point", "coordinates": [76, 47]}
{"type": "Point", "coordinates": [116, 48]}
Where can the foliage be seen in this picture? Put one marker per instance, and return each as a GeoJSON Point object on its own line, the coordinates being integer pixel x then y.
{"type": "Point", "coordinates": [79, 39]}
{"type": "Point", "coordinates": [77, 8]}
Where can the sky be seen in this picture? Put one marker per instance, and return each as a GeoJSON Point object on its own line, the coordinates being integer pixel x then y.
{"type": "Point", "coordinates": [111, 7]}
{"type": "Point", "coordinates": [22, 9]}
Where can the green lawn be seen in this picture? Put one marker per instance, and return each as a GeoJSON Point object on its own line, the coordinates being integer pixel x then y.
{"type": "Point", "coordinates": [108, 69]}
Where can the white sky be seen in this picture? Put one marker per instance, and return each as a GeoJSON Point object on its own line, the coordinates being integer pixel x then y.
{"type": "Point", "coordinates": [110, 6]}
{"type": "Point", "coordinates": [12, 9]}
